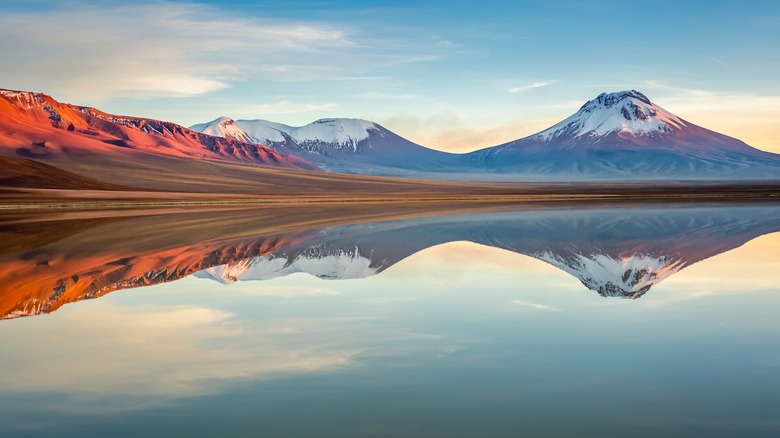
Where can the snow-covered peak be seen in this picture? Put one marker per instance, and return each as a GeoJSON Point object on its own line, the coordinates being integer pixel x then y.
{"type": "Point", "coordinates": [624, 112]}
{"type": "Point", "coordinates": [626, 276]}
{"type": "Point", "coordinates": [222, 127]}
{"type": "Point", "coordinates": [338, 132]}
{"type": "Point", "coordinates": [344, 264]}
{"type": "Point", "coordinates": [223, 121]}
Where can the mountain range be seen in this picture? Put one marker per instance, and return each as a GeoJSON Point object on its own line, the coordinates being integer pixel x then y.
{"type": "Point", "coordinates": [340, 145]}
{"type": "Point", "coordinates": [47, 144]}
{"type": "Point", "coordinates": [620, 252]}
{"type": "Point", "coordinates": [620, 135]}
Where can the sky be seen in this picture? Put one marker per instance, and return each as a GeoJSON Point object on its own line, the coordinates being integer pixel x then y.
{"type": "Point", "coordinates": [452, 75]}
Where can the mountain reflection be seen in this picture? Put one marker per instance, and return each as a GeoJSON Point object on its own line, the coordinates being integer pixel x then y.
{"type": "Point", "coordinates": [615, 252]}
{"type": "Point", "coordinates": [620, 251]}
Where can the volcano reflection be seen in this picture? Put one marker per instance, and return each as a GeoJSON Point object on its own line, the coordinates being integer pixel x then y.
{"type": "Point", "coordinates": [613, 252]}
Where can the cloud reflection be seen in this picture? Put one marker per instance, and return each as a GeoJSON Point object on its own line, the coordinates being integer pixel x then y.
{"type": "Point", "coordinates": [118, 354]}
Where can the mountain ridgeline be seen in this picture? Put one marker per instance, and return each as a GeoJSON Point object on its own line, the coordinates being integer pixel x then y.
{"type": "Point", "coordinates": [36, 126]}
{"type": "Point", "coordinates": [338, 145]}
{"type": "Point", "coordinates": [619, 136]}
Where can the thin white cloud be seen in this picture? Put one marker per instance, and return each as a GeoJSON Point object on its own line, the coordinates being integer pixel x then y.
{"type": "Point", "coordinates": [698, 100]}
{"type": "Point", "coordinates": [454, 132]}
{"type": "Point", "coordinates": [718, 61]}
{"type": "Point", "coordinates": [185, 351]}
{"type": "Point", "coordinates": [175, 84]}
{"type": "Point", "coordinates": [286, 107]}
{"type": "Point", "coordinates": [532, 305]}
{"type": "Point", "coordinates": [749, 117]}
{"type": "Point", "coordinates": [390, 96]}
{"type": "Point", "coordinates": [529, 87]}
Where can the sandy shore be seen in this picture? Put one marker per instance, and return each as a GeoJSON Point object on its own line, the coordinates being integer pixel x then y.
{"type": "Point", "coordinates": [63, 199]}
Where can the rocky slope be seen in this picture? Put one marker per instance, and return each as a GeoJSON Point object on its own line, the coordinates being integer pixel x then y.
{"type": "Point", "coordinates": [34, 125]}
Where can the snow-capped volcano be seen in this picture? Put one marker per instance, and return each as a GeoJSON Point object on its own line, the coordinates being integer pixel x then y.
{"type": "Point", "coordinates": [624, 135]}
{"type": "Point", "coordinates": [625, 112]}
{"type": "Point", "coordinates": [338, 144]}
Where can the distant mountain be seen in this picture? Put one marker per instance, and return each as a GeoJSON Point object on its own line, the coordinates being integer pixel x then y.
{"type": "Point", "coordinates": [621, 136]}
{"type": "Point", "coordinates": [340, 145]}
{"type": "Point", "coordinates": [624, 135]}
{"type": "Point", "coordinates": [34, 125]}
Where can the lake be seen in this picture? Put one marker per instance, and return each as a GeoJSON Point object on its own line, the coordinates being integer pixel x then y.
{"type": "Point", "coordinates": [534, 320]}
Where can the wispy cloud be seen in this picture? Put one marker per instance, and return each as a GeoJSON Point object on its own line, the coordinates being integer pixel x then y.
{"type": "Point", "coordinates": [529, 87]}
{"type": "Point", "coordinates": [751, 117]}
{"type": "Point", "coordinates": [536, 306]}
{"type": "Point", "coordinates": [707, 100]}
{"type": "Point", "coordinates": [718, 61]}
{"type": "Point", "coordinates": [185, 350]}
{"type": "Point", "coordinates": [164, 49]}
{"type": "Point", "coordinates": [391, 96]}
{"type": "Point", "coordinates": [286, 107]}
{"type": "Point", "coordinates": [454, 132]}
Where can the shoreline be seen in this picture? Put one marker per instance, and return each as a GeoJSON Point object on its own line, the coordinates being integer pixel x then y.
{"type": "Point", "coordinates": [24, 199]}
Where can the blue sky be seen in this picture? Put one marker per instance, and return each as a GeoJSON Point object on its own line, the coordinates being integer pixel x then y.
{"type": "Point", "coordinates": [452, 75]}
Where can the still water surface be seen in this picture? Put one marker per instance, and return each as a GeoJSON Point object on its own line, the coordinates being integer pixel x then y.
{"type": "Point", "coordinates": [653, 320]}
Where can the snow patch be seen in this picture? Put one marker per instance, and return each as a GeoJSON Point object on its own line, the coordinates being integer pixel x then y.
{"type": "Point", "coordinates": [629, 276]}
{"type": "Point", "coordinates": [26, 99]}
{"type": "Point", "coordinates": [30, 307]}
{"type": "Point", "coordinates": [345, 264]}
{"type": "Point", "coordinates": [342, 133]}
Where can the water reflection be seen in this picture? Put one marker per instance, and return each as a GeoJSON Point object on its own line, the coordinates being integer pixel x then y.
{"type": "Point", "coordinates": [453, 337]}
{"type": "Point", "coordinates": [616, 251]}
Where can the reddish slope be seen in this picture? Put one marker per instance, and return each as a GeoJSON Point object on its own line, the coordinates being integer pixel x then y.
{"type": "Point", "coordinates": [34, 125]}
{"type": "Point", "coordinates": [20, 172]}
{"type": "Point", "coordinates": [89, 258]}
{"type": "Point", "coordinates": [37, 286]}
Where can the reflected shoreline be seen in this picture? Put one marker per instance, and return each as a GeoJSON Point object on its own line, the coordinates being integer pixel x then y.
{"type": "Point", "coordinates": [395, 192]}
